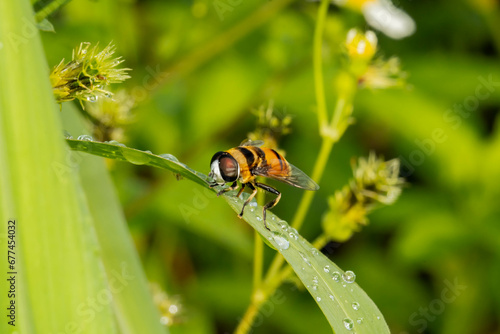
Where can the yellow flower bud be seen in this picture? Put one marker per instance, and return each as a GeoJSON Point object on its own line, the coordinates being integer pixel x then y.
{"type": "Point", "coordinates": [361, 45]}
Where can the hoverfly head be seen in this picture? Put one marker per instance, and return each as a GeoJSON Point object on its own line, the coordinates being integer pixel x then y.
{"type": "Point", "coordinates": [224, 168]}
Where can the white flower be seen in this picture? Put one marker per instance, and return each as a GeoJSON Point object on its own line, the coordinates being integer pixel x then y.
{"type": "Point", "coordinates": [384, 16]}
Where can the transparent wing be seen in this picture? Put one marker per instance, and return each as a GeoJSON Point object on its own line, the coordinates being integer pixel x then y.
{"type": "Point", "coordinates": [248, 142]}
{"type": "Point", "coordinates": [296, 177]}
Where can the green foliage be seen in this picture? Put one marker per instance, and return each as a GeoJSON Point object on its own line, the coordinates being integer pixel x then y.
{"type": "Point", "coordinates": [70, 275]}
{"type": "Point", "coordinates": [196, 77]}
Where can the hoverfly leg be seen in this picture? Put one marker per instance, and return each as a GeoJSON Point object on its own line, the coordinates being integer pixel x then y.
{"type": "Point", "coordinates": [252, 195]}
{"type": "Point", "coordinates": [232, 187]}
{"type": "Point", "coordinates": [271, 204]}
{"type": "Point", "coordinates": [241, 190]}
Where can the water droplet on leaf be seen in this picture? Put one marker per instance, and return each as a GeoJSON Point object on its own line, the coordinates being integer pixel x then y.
{"type": "Point", "coordinates": [348, 324]}
{"type": "Point", "coordinates": [280, 240]}
{"type": "Point", "coordinates": [135, 157]}
{"type": "Point", "coordinates": [305, 259]}
{"type": "Point", "coordinates": [169, 157]}
{"type": "Point", "coordinates": [326, 268]}
{"type": "Point", "coordinates": [355, 306]}
{"type": "Point", "coordinates": [349, 276]}
{"type": "Point", "coordinates": [85, 138]}
{"type": "Point", "coordinates": [115, 143]}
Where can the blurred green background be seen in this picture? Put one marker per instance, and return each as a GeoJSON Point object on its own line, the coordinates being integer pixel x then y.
{"type": "Point", "coordinates": [431, 262]}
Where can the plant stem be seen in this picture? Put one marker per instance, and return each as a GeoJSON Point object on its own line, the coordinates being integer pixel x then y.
{"type": "Point", "coordinates": [246, 323]}
{"type": "Point", "coordinates": [258, 258]}
{"type": "Point", "coordinates": [44, 8]}
{"type": "Point", "coordinates": [319, 167]}
{"type": "Point", "coordinates": [258, 261]}
{"type": "Point", "coordinates": [318, 61]}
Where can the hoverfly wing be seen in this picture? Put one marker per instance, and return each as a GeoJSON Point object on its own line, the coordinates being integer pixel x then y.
{"type": "Point", "coordinates": [293, 176]}
{"type": "Point", "coordinates": [299, 179]}
{"type": "Point", "coordinates": [248, 142]}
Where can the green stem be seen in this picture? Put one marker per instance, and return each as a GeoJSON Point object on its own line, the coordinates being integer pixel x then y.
{"type": "Point", "coordinates": [258, 258]}
{"type": "Point", "coordinates": [44, 8]}
{"type": "Point", "coordinates": [88, 116]}
{"type": "Point", "coordinates": [318, 62]}
{"type": "Point", "coordinates": [258, 261]}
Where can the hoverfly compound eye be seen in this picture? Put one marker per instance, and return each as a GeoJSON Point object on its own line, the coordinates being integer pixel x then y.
{"type": "Point", "coordinates": [229, 169]}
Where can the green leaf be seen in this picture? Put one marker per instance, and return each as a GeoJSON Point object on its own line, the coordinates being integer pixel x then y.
{"type": "Point", "coordinates": [323, 278]}
{"type": "Point", "coordinates": [344, 304]}
{"type": "Point", "coordinates": [118, 151]}
{"type": "Point", "coordinates": [45, 25]}
{"type": "Point", "coordinates": [132, 299]}
{"type": "Point", "coordinates": [60, 275]}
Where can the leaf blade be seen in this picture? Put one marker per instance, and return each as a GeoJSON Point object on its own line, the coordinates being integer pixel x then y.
{"type": "Point", "coordinates": [117, 151]}
{"type": "Point", "coordinates": [309, 265]}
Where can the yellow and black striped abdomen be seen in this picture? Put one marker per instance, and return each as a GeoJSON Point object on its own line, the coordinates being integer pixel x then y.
{"type": "Point", "coordinates": [254, 160]}
{"type": "Point", "coordinates": [277, 165]}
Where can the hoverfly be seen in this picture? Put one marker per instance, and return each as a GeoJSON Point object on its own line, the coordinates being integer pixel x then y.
{"type": "Point", "coordinates": [245, 162]}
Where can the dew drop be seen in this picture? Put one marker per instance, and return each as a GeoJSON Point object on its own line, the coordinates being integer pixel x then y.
{"type": "Point", "coordinates": [258, 218]}
{"type": "Point", "coordinates": [348, 324]}
{"type": "Point", "coordinates": [314, 251]}
{"type": "Point", "coordinates": [280, 240]}
{"type": "Point", "coordinates": [378, 318]}
{"type": "Point", "coordinates": [305, 259]}
{"type": "Point", "coordinates": [67, 135]}
{"type": "Point", "coordinates": [359, 321]}
{"type": "Point", "coordinates": [253, 204]}
{"type": "Point", "coordinates": [318, 299]}
{"type": "Point", "coordinates": [293, 235]}
{"type": "Point", "coordinates": [331, 297]}
{"type": "Point", "coordinates": [85, 138]}
{"type": "Point", "coordinates": [134, 156]}
{"type": "Point", "coordinates": [326, 268]}
{"type": "Point", "coordinates": [336, 276]}
{"type": "Point", "coordinates": [92, 98]}
{"type": "Point", "coordinates": [355, 306]}
{"type": "Point", "coordinates": [115, 143]}
{"type": "Point", "coordinates": [169, 157]}
{"type": "Point", "coordinates": [349, 276]}
{"type": "Point", "coordinates": [252, 209]}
